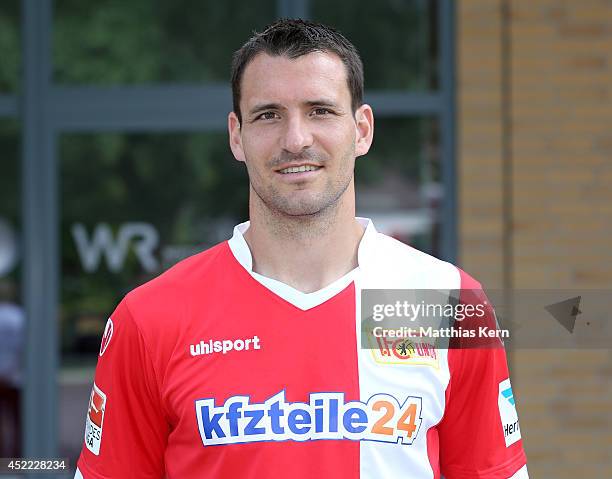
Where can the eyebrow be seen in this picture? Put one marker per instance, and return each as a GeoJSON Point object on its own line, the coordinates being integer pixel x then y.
{"type": "Point", "coordinates": [265, 106]}
{"type": "Point", "coordinates": [277, 106]}
{"type": "Point", "coordinates": [322, 102]}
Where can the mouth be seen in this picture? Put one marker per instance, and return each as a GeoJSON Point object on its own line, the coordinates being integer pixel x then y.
{"type": "Point", "coordinates": [298, 169]}
{"type": "Point", "coordinates": [298, 173]}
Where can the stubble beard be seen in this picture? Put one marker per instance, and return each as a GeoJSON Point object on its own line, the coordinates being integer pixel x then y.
{"type": "Point", "coordinates": [312, 206]}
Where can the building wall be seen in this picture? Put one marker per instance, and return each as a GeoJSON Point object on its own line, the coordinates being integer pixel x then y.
{"type": "Point", "coordinates": [480, 139]}
{"type": "Point", "coordinates": [536, 75]}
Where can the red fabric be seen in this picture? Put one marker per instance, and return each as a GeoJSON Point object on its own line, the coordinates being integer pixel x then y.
{"type": "Point", "coordinates": [134, 429]}
{"type": "Point", "coordinates": [433, 451]}
{"type": "Point", "coordinates": [151, 380]}
{"type": "Point", "coordinates": [471, 435]}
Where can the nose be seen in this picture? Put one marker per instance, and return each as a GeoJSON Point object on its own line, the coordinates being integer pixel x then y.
{"type": "Point", "coordinates": [297, 135]}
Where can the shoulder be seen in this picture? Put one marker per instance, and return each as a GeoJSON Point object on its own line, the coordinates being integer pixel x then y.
{"type": "Point", "coordinates": [410, 267]}
{"type": "Point", "coordinates": [395, 249]}
{"type": "Point", "coordinates": [160, 302]}
{"type": "Point", "coordinates": [184, 275]}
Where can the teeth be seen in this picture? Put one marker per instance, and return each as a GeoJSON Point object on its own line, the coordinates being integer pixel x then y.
{"type": "Point", "coordinates": [299, 169]}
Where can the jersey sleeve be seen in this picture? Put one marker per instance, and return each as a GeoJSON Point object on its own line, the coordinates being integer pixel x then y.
{"type": "Point", "coordinates": [479, 433]}
{"type": "Point", "coordinates": [125, 426]}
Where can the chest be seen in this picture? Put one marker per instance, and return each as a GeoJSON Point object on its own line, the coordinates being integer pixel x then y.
{"type": "Point", "coordinates": [247, 351]}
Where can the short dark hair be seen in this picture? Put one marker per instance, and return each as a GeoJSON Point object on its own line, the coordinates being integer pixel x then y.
{"type": "Point", "coordinates": [293, 38]}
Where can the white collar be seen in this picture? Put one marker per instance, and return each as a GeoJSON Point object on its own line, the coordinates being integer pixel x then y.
{"type": "Point", "coordinates": [242, 253]}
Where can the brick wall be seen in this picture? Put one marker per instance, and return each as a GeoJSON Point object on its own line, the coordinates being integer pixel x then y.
{"type": "Point", "coordinates": [480, 139]}
{"type": "Point", "coordinates": [560, 201]}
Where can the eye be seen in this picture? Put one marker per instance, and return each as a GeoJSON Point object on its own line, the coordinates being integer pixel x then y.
{"type": "Point", "coordinates": [321, 111]}
{"type": "Point", "coordinates": [267, 115]}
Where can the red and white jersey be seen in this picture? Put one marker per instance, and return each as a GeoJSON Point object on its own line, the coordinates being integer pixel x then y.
{"type": "Point", "coordinates": [213, 371]}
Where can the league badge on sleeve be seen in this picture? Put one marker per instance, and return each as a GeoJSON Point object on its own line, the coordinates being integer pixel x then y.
{"type": "Point", "coordinates": [507, 412]}
{"type": "Point", "coordinates": [95, 420]}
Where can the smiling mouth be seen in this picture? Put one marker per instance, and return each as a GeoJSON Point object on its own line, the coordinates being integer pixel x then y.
{"type": "Point", "coordinates": [299, 169]}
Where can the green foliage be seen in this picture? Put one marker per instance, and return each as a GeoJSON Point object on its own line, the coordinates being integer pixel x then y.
{"type": "Point", "coordinates": [10, 170]}
{"type": "Point", "coordinates": [10, 190]}
{"type": "Point", "coordinates": [393, 37]}
{"type": "Point", "coordinates": [145, 41]}
{"type": "Point", "coordinates": [397, 150]}
{"type": "Point", "coordinates": [181, 183]}
{"type": "Point", "coordinates": [10, 46]}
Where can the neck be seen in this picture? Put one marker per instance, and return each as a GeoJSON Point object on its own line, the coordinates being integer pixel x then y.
{"type": "Point", "coordinates": [305, 252]}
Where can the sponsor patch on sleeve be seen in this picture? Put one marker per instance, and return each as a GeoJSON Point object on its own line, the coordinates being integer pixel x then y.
{"type": "Point", "coordinates": [507, 412]}
{"type": "Point", "coordinates": [95, 420]}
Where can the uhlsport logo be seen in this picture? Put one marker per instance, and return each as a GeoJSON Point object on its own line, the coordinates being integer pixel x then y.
{"type": "Point", "coordinates": [381, 418]}
{"type": "Point", "coordinates": [224, 346]}
{"type": "Point", "coordinates": [507, 412]}
{"type": "Point", "coordinates": [95, 420]}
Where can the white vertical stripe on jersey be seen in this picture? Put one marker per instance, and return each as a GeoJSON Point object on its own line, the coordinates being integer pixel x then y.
{"type": "Point", "coordinates": [390, 264]}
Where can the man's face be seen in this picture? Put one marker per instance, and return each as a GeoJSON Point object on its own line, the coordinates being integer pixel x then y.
{"type": "Point", "coordinates": [298, 136]}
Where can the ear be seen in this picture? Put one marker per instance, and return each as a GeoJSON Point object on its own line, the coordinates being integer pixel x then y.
{"type": "Point", "coordinates": [235, 137]}
{"type": "Point", "coordinates": [364, 131]}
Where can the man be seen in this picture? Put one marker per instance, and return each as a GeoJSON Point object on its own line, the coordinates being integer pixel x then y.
{"type": "Point", "coordinates": [245, 360]}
